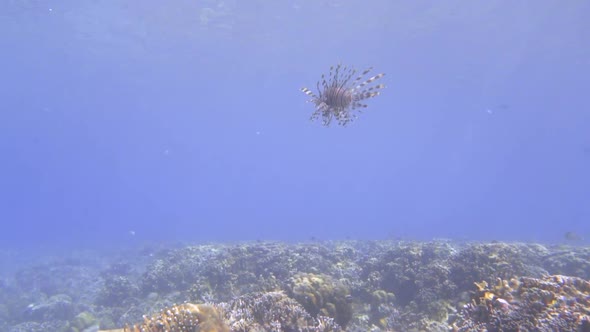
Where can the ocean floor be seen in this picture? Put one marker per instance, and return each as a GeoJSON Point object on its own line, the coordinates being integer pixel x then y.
{"type": "Point", "coordinates": [316, 286]}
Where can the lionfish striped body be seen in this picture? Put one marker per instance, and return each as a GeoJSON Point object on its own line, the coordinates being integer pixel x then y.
{"type": "Point", "coordinates": [338, 97]}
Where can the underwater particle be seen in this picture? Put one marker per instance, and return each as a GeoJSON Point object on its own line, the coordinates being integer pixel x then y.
{"type": "Point", "coordinates": [338, 97]}
{"type": "Point", "coordinates": [205, 16]}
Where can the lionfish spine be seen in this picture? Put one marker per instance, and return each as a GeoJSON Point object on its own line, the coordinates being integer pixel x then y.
{"type": "Point", "coordinates": [338, 97]}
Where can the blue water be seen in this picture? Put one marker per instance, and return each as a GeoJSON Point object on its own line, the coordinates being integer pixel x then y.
{"type": "Point", "coordinates": [149, 121]}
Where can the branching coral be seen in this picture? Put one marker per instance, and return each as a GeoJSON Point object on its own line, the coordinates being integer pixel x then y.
{"type": "Point", "coordinates": [274, 311]}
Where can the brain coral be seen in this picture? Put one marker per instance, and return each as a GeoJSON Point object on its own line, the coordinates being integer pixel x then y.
{"type": "Point", "coordinates": [321, 294]}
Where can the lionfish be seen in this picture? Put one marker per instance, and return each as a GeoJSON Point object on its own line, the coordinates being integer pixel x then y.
{"type": "Point", "coordinates": [338, 97]}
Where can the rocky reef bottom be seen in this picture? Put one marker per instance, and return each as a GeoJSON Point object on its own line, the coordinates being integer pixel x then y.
{"type": "Point", "coordinates": [317, 286]}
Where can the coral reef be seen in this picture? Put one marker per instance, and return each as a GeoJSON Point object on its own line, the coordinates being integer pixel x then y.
{"type": "Point", "coordinates": [116, 290]}
{"type": "Point", "coordinates": [56, 307]}
{"type": "Point", "coordinates": [569, 262]}
{"type": "Point", "coordinates": [221, 273]}
{"type": "Point", "coordinates": [83, 321]}
{"type": "Point", "coordinates": [496, 260]}
{"type": "Point", "coordinates": [314, 287]}
{"type": "Point", "coordinates": [180, 318]}
{"type": "Point", "coordinates": [321, 294]}
{"type": "Point", "coordinates": [274, 311]}
{"type": "Point", "coordinates": [553, 303]}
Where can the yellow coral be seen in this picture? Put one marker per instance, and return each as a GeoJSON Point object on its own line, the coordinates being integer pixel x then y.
{"type": "Point", "coordinates": [488, 295]}
{"type": "Point", "coordinates": [184, 317]}
{"type": "Point", "coordinates": [481, 286]}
